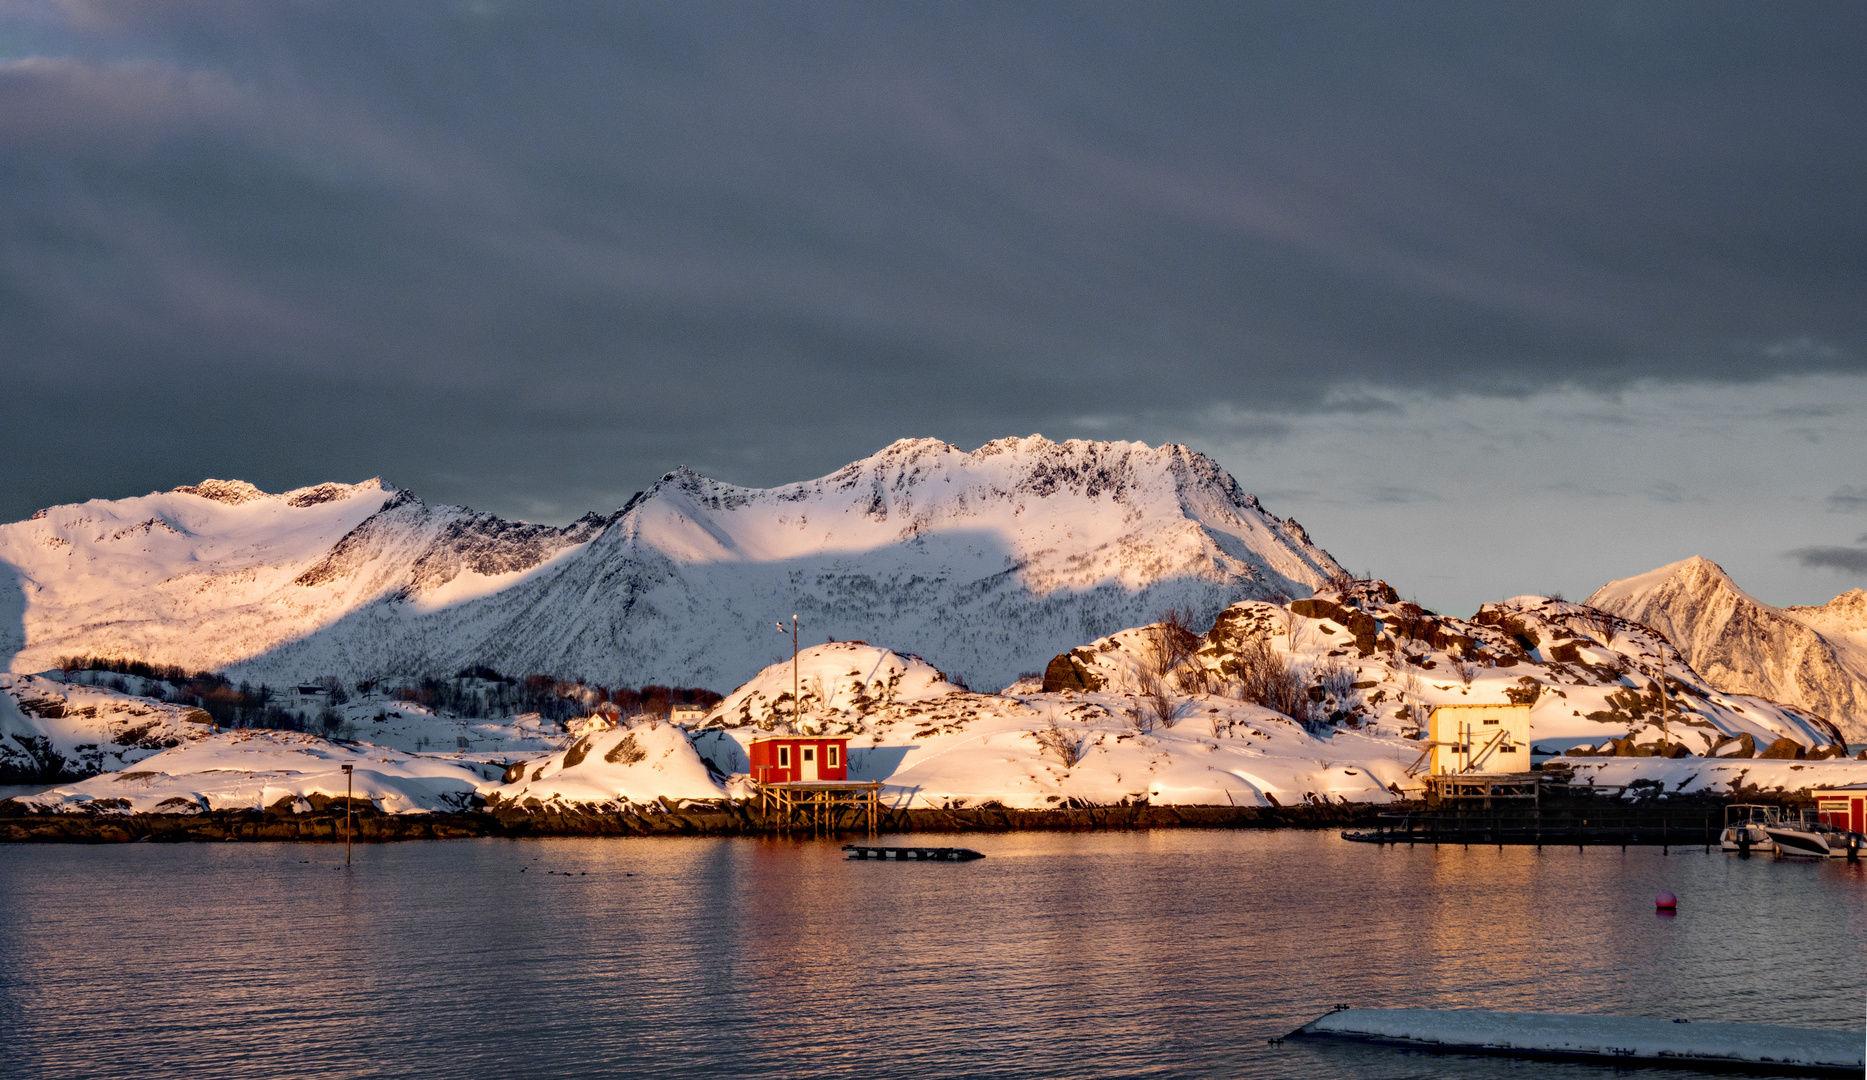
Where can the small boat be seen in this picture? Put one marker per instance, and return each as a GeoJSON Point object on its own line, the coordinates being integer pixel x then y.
{"type": "Point", "coordinates": [1815, 839]}
{"type": "Point", "coordinates": [913, 854]}
{"type": "Point", "coordinates": [1745, 828]}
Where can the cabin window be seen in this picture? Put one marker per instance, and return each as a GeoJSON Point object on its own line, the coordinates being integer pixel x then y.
{"type": "Point", "coordinates": [830, 757]}
{"type": "Point", "coordinates": [810, 754]}
{"type": "Point", "coordinates": [1491, 721]}
{"type": "Point", "coordinates": [784, 757]}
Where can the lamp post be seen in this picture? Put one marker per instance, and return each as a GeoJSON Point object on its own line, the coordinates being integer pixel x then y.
{"type": "Point", "coordinates": [1659, 665]}
{"type": "Point", "coordinates": [347, 774]}
{"type": "Point", "coordinates": [796, 711]}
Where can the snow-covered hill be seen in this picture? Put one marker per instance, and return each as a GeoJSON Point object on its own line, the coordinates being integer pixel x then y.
{"type": "Point", "coordinates": [1812, 657]}
{"type": "Point", "coordinates": [1366, 657]}
{"type": "Point", "coordinates": [51, 731]}
{"type": "Point", "coordinates": [259, 770]}
{"type": "Point", "coordinates": [989, 561]}
{"type": "Point", "coordinates": [935, 744]}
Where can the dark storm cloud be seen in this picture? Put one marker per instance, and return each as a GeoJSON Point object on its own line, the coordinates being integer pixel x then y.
{"type": "Point", "coordinates": [533, 255]}
{"type": "Point", "coordinates": [1848, 560]}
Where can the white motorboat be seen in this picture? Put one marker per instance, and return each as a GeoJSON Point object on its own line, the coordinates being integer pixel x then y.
{"type": "Point", "coordinates": [1815, 839]}
{"type": "Point", "coordinates": [1745, 828]}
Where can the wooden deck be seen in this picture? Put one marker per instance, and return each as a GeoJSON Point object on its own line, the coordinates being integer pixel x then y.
{"type": "Point", "coordinates": [822, 806]}
{"type": "Point", "coordinates": [912, 854]}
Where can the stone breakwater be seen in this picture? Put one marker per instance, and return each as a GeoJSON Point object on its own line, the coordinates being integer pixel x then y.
{"type": "Point", "coordinates": [325, 822]}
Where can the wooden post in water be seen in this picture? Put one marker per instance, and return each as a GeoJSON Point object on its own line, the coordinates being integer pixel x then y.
{"type": "Point", "coordinates": [347, 827]}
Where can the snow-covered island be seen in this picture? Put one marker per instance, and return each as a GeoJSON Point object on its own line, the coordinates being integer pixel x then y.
{"type": "Point", "coordinates": [1161, 640]}
{"type": "Point", "coordinates": [1315, 702]}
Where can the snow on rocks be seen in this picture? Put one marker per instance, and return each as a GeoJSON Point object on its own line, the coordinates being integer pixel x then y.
{"type": "Point", "coordinates": [256, 770]}
{"type": "Point", "coordinates": [932, 743]}
{"type": "Point", "coordinates": [639, 763]}
{"type": "Point", "coordinates": [1716, 776]}
{"type": "Point", "coordinates": [52, 730]}
{"type": "Point", "coordinates": [837, 686]}
{"type": "Point", "coordinates": [1362, 657]}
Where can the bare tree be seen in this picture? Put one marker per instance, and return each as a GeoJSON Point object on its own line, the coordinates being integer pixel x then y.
{"type": "Point", "coordinates": [1172, 641]}
{"type": "Point", "coordinates": [1465, 668]}
{"type": "Point", "coordinates": [1412, 697]}
{"type": "Point", "coordinates": [1299, 632]}
{"type": "Point", "coordinates": [1600, 624]}
{"type": "Point", "coordinates": [1337, 681]}
{"type": "Point", "coordinates": [1268, 679]}
{"type": "Point", "coordinates": [1068, 746]}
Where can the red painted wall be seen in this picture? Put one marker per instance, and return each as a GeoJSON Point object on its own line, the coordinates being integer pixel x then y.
{"type": "Point", "coordinates": [1842, 811]}
{"type": "Point", "coordinates": [766, 758]}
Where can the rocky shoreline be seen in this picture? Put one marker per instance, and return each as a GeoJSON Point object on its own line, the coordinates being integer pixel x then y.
{"type": "Point", "coordinates": [325, 823]}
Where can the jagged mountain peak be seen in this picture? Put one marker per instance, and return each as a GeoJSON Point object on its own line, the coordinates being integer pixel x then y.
{"type": "Point", "coordinates": [1799, 656]}
{"type": "Point", "coordinates": [236, 492]}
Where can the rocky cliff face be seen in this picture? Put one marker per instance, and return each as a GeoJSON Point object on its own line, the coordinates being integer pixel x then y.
{"type": "Point", "coordinates": [1811, 657]}
{"type": "Point", "coordinates": [987, 562]}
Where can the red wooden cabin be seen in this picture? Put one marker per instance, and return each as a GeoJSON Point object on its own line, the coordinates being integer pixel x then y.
{"type": "Point", "coordinates": [790, 759]}
{"type": "Point", "coordinates": [1843, 807]}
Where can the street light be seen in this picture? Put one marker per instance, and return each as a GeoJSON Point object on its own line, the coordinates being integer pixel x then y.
{"type": "Point", "coordinates": [795, 710]}
{"type": "Point", "coordinates": [347, 773]}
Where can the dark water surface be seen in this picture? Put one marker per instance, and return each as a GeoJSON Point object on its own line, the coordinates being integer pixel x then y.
{"type": "Point", "coordinates": [1170, 953]}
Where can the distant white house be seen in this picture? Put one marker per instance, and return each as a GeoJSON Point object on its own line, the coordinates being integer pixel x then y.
{"type": "Point", "coordinates": [1478, 739]}
{"type": "Point", "coordinates": [306, 696]}
{"type": "Point", "coordinates": [687, 713]}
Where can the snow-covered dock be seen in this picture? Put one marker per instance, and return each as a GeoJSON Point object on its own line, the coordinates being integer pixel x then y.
{"type": "Point", "coordinates": [1752, 1047]}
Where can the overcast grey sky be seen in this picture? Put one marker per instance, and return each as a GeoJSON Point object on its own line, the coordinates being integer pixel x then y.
{"type": "Point", "coordinates": [1495, 298]}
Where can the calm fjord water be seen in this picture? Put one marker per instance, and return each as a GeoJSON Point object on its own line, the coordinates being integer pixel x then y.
{"type": "Point", "coordinates": [1170, 953]}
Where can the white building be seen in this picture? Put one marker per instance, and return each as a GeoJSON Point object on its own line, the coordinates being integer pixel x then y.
{"type": "Point", "coordinates": [1479, 739]}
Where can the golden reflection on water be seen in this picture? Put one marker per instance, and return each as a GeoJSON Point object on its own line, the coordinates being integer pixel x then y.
{"type": "Point", "coordinates": [1092, 954]}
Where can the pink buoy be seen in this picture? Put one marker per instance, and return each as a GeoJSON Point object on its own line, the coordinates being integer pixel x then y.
{"type": "Point", "coordinates": [1666, 901]}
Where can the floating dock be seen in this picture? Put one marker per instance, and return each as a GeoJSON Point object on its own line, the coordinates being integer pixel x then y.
{"type": "Point", "coordinates": [1622, 1040]}
{"type": "Point", "coordinates": [1592, 826]}
{"type": "Point", "coordinates": [913, 854]}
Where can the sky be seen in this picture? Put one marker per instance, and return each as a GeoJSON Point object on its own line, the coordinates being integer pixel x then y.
{"type": "Point", "coordinates": [1493, 298]}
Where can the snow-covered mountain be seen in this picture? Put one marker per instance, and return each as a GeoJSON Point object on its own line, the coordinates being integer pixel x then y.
{"type": "Point", "coordinates": [989, 562]}
{"type": "Point", "coordinates": [1812, 657]}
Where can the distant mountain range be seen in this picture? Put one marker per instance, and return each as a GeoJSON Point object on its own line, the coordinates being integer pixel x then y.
{"type": "Point", "coordinates": [1811, 657]}
{"type": "Point", "coordinates": [988, 563]}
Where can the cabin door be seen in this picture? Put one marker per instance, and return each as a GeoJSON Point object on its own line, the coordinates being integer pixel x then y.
{"type": "Point", "coordinates": [808, 771]}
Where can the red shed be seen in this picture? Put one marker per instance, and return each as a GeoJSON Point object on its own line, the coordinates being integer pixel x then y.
{"type": "Point", "coordinates": [787, 759]}
{"type": "Point", "coordinates": [1843, 807]}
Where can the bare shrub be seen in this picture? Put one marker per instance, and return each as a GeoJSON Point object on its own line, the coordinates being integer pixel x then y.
{"type": "Point", "coordinates": [1337, 681]}
{"type": "Point", "coordinates": [1156, 704]}
{"type": "Point", "coordinates": [1268, 679]}
{"type": "Point", "coordinates": [1412, 697]}
{"type": "Point", "coordinates": [1171, 640]}
{"type": "Point", "coordinates": [1464, 668]}
{"type": "Point", "coordinates": [1298, 630]}
{"type": "Point", "coordinates": [1599, 623]}
{"type": "Point", "coordinates": [1068, 746]}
